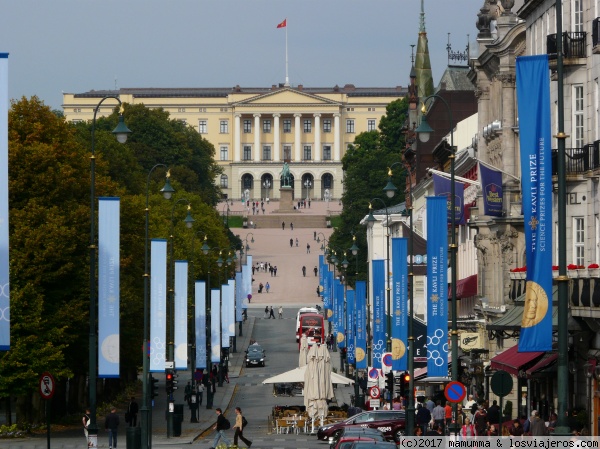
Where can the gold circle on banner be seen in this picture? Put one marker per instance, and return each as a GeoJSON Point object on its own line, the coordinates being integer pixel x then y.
{"type": "Point", "coordinates": [536, 305]}
{"type": "Point", "coordinates": [340, 337]}
{"type": "Point", "coordinates": [329, 313]}
{"type": "Point", "coordinates": [398, 349]}
{"type": "Point", "coordinates": [360, 354]}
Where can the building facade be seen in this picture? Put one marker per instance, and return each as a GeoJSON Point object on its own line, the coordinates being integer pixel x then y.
{"type": "Point", "coordinates": [255, 130]}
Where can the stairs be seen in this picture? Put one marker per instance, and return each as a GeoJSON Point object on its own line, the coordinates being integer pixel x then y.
{"type": "Point", "coordinates": [274, 221]}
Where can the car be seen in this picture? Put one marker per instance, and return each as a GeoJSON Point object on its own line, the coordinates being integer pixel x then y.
{"type": "Point", "coordinates": [350, 434]}
{"type": "Point", "coordinates": [255, 355]}
{"type": "Point", "coordinates": [391, 422]}
{"type": "Point", "coordinates": [372, 445]}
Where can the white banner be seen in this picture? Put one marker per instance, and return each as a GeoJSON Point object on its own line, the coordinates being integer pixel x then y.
{"type": "Point", "coordinates": [215, 326]}
{"type": "Point", "coordinates": [200, 325]}
{"type": "Point", "coordinates": [181, 314]}
{"type": "Point", "coordinates": [158, 305]}
{"type": "Point", "coordinates": [4, 253]}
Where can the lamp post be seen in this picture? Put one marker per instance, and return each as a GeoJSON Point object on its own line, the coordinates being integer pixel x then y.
{"type": "Point", "coordinates": [209, 394]}
{"type": "Point", "coordinates": [120, 132]}
{"type": "Point", "coordinates": [354, 250]}
{"type": "Point", "coordinates": [370, 221]}
{"type": "Point", "coordinates": [345, 265]}
{"type": "Point", "coordinates": [267, 186]}
{"type": "Point", "coordinates": [308, 185]}
{"type": "Point", "coordinates": [171, 345]}
{"type": "Point", "coordinates": [225, 217]}
{"type": "Point", "coordinates": [424, 131]}
{"type": "Point", "coordinates": [167, 192]}
{"type": "Point", "coordinates": [390, 190]}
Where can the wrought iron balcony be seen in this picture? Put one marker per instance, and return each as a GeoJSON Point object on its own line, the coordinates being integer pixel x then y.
{"type": "Point", "coordinates": [573, 45]}
{"type": "Point", "coordinates": [579, 160]}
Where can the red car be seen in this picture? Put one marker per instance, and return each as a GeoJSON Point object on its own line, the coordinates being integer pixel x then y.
{"type": "Point", "coordinates": [390, 422]}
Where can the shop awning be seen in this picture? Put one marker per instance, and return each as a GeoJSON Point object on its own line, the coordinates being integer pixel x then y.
{"type": "Point", "coordinates": [512, 361]}
{"type": "Point", "coordinates": [545, 362]}
{"type": "Point", "coordinates": [465, 287]}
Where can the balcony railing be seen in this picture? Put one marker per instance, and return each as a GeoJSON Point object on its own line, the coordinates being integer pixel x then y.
{"type": "Point", "coordinates": [573, 44]}
{"type": "Point", "coordinates": [596, 35]}
{"type": "Point", "coordinates": [579, 160]}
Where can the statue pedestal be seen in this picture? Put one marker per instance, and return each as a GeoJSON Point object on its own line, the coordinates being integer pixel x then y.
{"type": "Point", "coordinates": [286, 202]}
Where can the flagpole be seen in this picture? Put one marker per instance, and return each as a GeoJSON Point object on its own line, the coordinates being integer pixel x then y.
{"type": "Point", "coordinates": [287, 79]}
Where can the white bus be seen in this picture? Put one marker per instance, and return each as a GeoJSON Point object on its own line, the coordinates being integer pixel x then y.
{"type": "Point", "coordinates": [302, 311]}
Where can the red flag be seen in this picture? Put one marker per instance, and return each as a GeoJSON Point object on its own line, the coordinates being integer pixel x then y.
{"type": "Point", "coordinates": [282, 24]}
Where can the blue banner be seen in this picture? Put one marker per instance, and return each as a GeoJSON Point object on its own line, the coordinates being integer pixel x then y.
{"type": "Point", "coordinates": [443, 187]}
{"type": "Point", "coordinates": [181, 314]}
{"type": "Point", "coordinates": [533, 95]}
{"type": "Point", "coordinates": [491, 185]}
{"type": "Point", "coordinates": [326, 293]}
{"type": "Point", "coordinates": [399, 304]}
{"type": "Point", "coordinates": [339, 313]}
{"type": "Point", "coordinates": [350, 316]}
{"type": "Point", "coordinates": [437, 287]}
{"type": "Point", "coordinates": [225, 288]}
{"type": "Point", "coordinates": [361, 325]}
{"type": "Point", "coordinates": [321, 270]}
{"type": "Point", "coordinates": [108, 287]}
{"type": "Point", "coordinates": [332, 314]}
{"type": "Point", "coordinates": [4, 247]}
{"type": "Point", "coordinates": [379, 331]}
{"type": "Point", "coordinates": [158, 305]}
{"type": "Point", "coordinates": [200, 324]}
{"type": "Point", "coordinates": [215, 325]}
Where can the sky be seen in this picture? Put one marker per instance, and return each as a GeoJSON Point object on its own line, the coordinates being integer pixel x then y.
{"type": "Point", "coordinates": [74, 46]}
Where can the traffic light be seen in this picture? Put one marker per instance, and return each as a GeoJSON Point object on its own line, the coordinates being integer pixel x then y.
{"type": "Point", "coordinates": [402, 386]}
{"type": "Point", "coordinates": [169, 381]}
{"type": "Point", "coordinates": [153, 387]}
{"type": "Point", "coordinates": [404, 383]}
{"type": "Point", "coordinates": [389, 382]}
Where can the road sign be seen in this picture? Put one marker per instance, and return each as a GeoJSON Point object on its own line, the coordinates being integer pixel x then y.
{"type": "Point", "coordinates": [374, 392]}
{"type": "Point", "coordinates": [375, 403]}
{"type": "Point", "coordinates": [502, 383]}
{"type": "Point", "coordinates": [455, 392]}
{"type": "Point", "coordinates": [373, 374]}
{"type": "Point", "coordinates": [386, 362]}
{"type": "Point", "coordinates": [47, 386]}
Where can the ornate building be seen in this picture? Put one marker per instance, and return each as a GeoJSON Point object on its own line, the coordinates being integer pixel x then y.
{"type": "Point", "coordinates": [254, 130]}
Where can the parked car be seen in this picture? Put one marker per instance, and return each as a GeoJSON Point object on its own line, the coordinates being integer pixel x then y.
{"type": "Point", "coordinates": [391, 422]}
{"type": "Point", "coordinates": [372, 445]}
{"type": "Point", "coordinates": [255, 355]}
{"type": "Point", "coordinates": [345, 438]}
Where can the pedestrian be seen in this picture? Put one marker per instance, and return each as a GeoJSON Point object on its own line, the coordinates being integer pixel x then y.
{"type": "Point", "coordinates": [303, 271]}
{"type": "Point", "coordinates": [318, 292]}
{"type": "Point", "coordinates": [85, 420]}
{"type": "Point", "coordinates": [309, 203]}
{"type": "Point", "coordinates": [292, 226]}
{"type": "Point", "coordinates": [240, 423]}
{"type": "Point", "coordinates": [283, 225]}
{"type": "Point", "coordinates": [271, 313]}
{"type": "Point", "coordinates": [316, 270]}
{"type": "Point", "coordinates": [439, 414]}
{"type": "Point", "coordinates": [467, 430]}
{"type": "Point", "coordinates": [111, 423]}
{"type": "Point", "coordinates": [296, 242]}
{"type": "Point", "coordinates": [271, 270]}
{"type": "Point", "coordinates": [221, 426]}
{"type": "Point", "coordinates": [314, 235]}
{"type": "Point", "coordinates": [267, 287]}
{"type": "Point", "coordinates": [275, 271]}
{"type": "Point", "coordinates": [214, 374]}
{"type": "Point", "coordinates": [291, 242]}
{"type": "Point", "coordinates": [280, 312]}
{"type": "Point", "coordinates": [132, 412]}
{"type": "Point", "coordinates": [199, 392]}
{"type": "Point", "coordinates": [225, 371]}
{"type": "Point", "coordinates": [266, 311]}
{"type": "Point", "coordinates": [187, 391]}
{"type": "Point", "coordinates": [537, 425]}
{"type": "Point", "coordinates": [260, 287]}
{"type": "Point", "coordinates": [307, 248]}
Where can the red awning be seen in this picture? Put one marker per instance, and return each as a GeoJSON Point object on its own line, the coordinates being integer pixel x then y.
{"type": "Point", "coordinates": [546, 361]}
{"type": "Point", "coordinates": [511, 360]}
{"type": "Point", "coordinates": [465, 287]}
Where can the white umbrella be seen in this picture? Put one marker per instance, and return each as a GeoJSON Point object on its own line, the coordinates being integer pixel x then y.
{"type": "Point", "coordinates": [297, 375]}
{"type": "Point", "coordinates": [318, 388]}
{"type": "Point", "coordinates": [303, 351]}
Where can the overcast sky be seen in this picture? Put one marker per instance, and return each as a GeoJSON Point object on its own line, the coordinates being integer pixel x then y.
{"type": "Point", "coordinates": [78, 45]}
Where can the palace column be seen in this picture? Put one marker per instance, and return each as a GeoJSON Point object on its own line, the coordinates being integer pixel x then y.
{"type": "Point", "coordinates": [336, 137]}
{"type": "Point", "coordinates": [317, 152]}
{"type": "Point", "coordinates": [277, 137]}
{"type": "Point", "coordinates": [257, 149]}
{"type": "Point", "coordinates": [236, 138]}
{"type": "Point", "coordinates": [297, 143]}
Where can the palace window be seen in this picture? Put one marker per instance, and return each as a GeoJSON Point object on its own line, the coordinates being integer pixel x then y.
{"type": "Point", "coordinates": [247, 126]}
{"type": "Point", "coordinates": [266, 126]}
{"type": "Point", "coordinates": [307, 126]}
{"type": "Point", "coordinates": [224, 182]}
{"type": "Point", "coordinates": [247, 153]}
{"type": "Point", "coordinates": [307, 153]}
{"type": "Point", "coordinates": [350, 126]}
{"type": "Point", "coordinates": [266, 152]}
{"type": "Point", "coordinates": [203, 127]}
{"type": "Point", "coordinates": [327, 125]}
{"type": "Point", "coordinates": [224, 150]}
{"type": "Point", "coordinates": [224, 126]}
{"type": "Point", "coordinates": [326, 152]}
{"type": "Point", "coordinates": [371, 125]}
{"type": "Point", "coordinates": [287, 126]}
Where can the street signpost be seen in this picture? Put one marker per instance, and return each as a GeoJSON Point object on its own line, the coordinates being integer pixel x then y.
{"type": "Point", "coordinates": [502, 385]}
{"type": "Point", "coordinates": [455, 392]}
{"type": "Point", "coordinates": [47, 389]}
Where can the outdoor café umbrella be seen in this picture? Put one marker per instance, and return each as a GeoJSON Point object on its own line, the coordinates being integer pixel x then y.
{"type": "Point", "coordinates": [318, 388]}
{"type": "Point", "coordinates": [303, 351]}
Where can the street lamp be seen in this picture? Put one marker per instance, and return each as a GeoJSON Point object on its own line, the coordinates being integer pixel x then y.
{"type": "Point", "coordinates": [354, 250]}
{"type": "Point", "coordinates": [308, 185]}
{"type": "Point", "coordinates": [424, 131]}
{"type": "Point", "coordinates": [345, 264]}
{"type": "Point", "coordinates": [121, 132]}
{"type": "Point", "coordinates": [390, 190]}
{"type": "Point", "coordinates": [167, 192]}
{"type": "Point", "coordinates": [370, 222]}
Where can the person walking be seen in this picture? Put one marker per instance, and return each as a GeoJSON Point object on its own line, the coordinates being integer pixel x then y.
{"type": "Point", "coordinates": [271, 313]}
{"type": "Point", "coordinates": [199, 392]}
{"type": "Point", "coordinates": [537, 425]}
{"type": "Point", "coordinates": [296, 242]}
{"type": "Point", "coordinates": [266, 311]}
{"type": "Point", "coordinates": [239, 428]}
{"type": "Point", "coordinates": [303, 271]}
{"type": "Point", "coordinates": [111, 423]}
{"type": "Point", "coordinates": [275, 271]}
{"type": "Point", "coordinates": [267, 286]}
{"type": "Point", "coordinates": [316, 270]}
{"type": "Point", "coordinates": [292, 226]}
{"type": "Point", "coordinates": [283, 225]}
{"type": "Point", "coordinates": [132, 411]}
{"type": "Point", "coordinates": [291, 242]}
{"type": "Point", "coordinates": [221, 426]}
{"type": "Point", "coordinates": [280, 312]}
{"type": "Point", "coordinates": [85, 420]}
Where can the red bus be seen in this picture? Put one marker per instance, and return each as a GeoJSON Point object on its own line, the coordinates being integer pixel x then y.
{"type": "Point", "coordinates": [313, 326]}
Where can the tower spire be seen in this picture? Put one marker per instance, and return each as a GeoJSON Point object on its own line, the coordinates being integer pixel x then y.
{"type": "Point", "coordinates": [422, 19]}
{"type": "Point", "coordinates": [422, 62]}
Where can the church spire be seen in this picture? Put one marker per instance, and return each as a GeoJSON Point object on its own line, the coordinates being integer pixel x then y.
{"type": "Point", "coordinates": [423, 63]}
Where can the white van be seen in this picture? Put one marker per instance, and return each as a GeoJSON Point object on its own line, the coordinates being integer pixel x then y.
{"type": "Point", "coordinates": [300, 312]}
